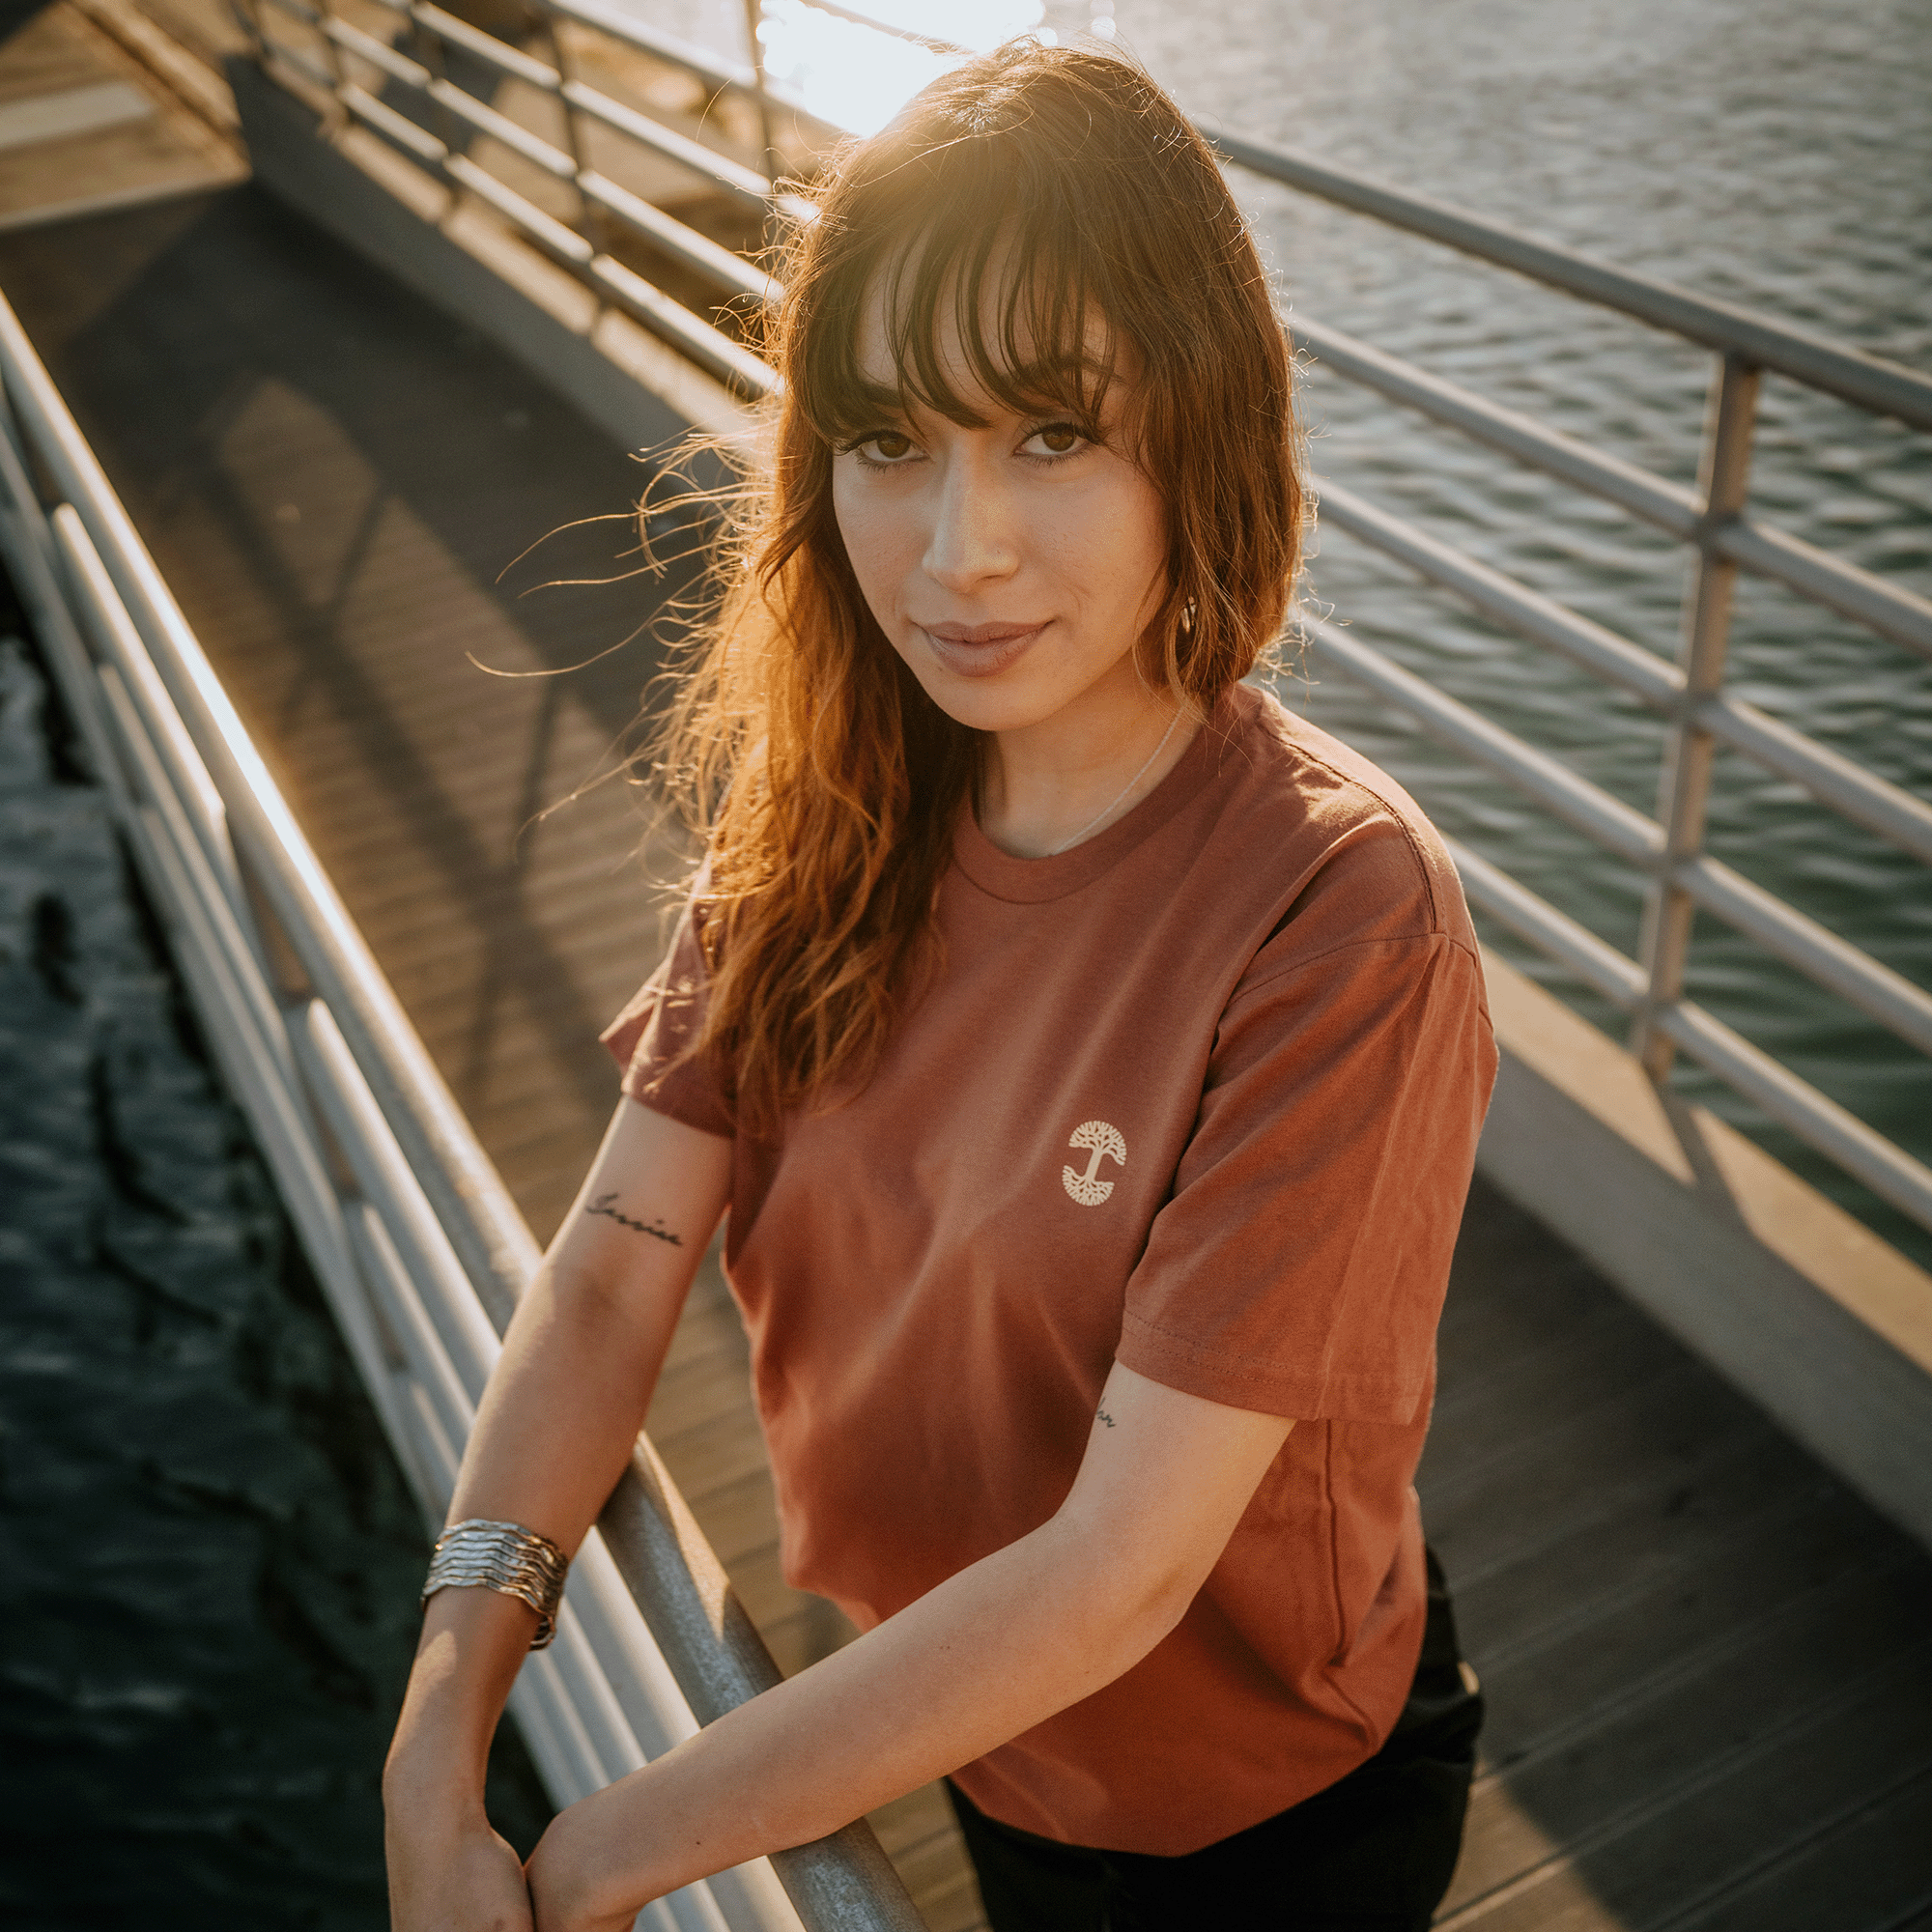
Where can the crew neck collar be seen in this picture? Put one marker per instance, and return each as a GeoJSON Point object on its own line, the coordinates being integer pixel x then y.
{"type": "Point", "coordinates": [1034, 881]}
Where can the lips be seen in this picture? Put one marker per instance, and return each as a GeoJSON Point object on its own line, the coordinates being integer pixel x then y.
{"type": "Point", "coordinates": [978, 633]}
{"type": "Point", "coordinates": [981, 650]}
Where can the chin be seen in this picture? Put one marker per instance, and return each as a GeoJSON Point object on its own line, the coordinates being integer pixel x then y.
{"type": "Point", "coordinates": [1002, 704]}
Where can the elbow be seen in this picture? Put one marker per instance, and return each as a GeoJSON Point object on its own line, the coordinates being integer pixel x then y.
{"type": "Point", "coordinates": [1165, 1600]}
{"type": "Point", "coordinates": [1143, 1597]}
{"type": "Point", "coordinates": [1146, 1620]}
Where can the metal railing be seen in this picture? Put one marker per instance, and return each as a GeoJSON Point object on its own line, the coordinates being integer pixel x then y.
{"type": "Point", "coordinates": [351, 67]}
{"type": "Point", "coordinates": [416, 1244]}
{"type": "Point", "coordinates": [1691, 694]}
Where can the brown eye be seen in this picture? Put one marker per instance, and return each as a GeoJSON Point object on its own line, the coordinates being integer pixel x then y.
{"type": "Point", "coordinates": [891, 445]}
{"type": "Point", "coordinates": [1055, 439]}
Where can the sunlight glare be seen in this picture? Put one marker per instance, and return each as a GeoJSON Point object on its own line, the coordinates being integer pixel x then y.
{"type": "Point", "coordinates": [857, 77]}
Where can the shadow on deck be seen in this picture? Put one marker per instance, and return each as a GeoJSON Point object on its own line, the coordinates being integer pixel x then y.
{"type": "Point", "coordinates": [1709, 1667]}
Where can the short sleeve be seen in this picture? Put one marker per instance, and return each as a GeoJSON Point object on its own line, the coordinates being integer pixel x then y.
{"type": "Point", "coordinates": [650, 1038]}
{"type": "Point", "coordinates": [1299, 1266]}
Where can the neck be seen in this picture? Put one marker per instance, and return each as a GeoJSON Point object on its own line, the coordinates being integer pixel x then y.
{"type": "Point", "coordinates": [1056, 784]}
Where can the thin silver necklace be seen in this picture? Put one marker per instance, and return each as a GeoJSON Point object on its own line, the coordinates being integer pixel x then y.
{"type": "Point", "coordinates": [1120, 794]}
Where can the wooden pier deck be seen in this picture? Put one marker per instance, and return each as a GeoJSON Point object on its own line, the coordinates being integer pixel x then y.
{"type": "Point", "coordinates": [1709, 1667]}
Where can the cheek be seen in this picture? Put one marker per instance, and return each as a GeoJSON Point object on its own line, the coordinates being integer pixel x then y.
{"type": "Point", "coordinates": [1121, 541]}
{"type": "Point", "coordinates": [875, 538]}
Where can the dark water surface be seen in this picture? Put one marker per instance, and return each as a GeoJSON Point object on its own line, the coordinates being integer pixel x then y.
{"type": "Point", "coordinates": [208, 1593]}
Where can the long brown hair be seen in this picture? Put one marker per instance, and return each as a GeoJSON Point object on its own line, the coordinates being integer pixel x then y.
{"type": "Point", "coordinates": [1025, 195]}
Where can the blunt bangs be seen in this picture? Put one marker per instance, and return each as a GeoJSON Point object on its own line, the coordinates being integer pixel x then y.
{"type": "Point", "coordinates": [1010, 311]}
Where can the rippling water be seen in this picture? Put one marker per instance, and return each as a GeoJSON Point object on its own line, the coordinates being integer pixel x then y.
{"type": "Point", "coordinates": [211, 1559]}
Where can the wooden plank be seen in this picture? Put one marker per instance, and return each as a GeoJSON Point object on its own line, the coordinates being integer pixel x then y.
{"type": "Point", "coordinates": [1726, 1851]}
{"type": "Point", "coordinates": [1602, 1564]}
{"type": "Point", "coordinates": [922, 1841]}
{"type": "Point", "coordinates": [1668, 1748]}
{"type": "Point", "coordinates": [83, 125]}
{"type": "Point", "coordinates": [1861, 1870]}
{"type": "Point", "coordinates": [1509, 1282]}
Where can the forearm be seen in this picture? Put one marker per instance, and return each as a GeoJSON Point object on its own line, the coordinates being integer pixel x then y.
{"type": "Point", "coordinates": [557, 1421]}
{"type": "Point", "coordinates": [991, 1653]}
{"type": "Point", "coordinates": [564, 1407]}
{"type": "Point", "coordinates": [551, 1436]}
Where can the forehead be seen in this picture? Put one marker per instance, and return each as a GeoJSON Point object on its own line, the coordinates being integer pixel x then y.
{"type": "Point", "coordinates": [977, 337]}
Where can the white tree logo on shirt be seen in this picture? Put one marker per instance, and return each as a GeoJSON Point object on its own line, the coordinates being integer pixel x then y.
{"type": "Point", "coordinates": [1105, 1139]}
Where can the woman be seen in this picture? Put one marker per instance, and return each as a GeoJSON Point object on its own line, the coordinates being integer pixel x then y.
{"type": "Point", "coordinates": [1090, 1059]}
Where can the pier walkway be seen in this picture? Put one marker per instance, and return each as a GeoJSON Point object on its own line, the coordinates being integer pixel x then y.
{"type": "Point", "coordinates": [1709, 1666]}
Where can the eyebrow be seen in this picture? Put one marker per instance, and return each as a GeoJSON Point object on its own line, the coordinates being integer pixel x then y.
{"type": "Point", "coordinates": [1033, 382]}
{"type": "Point", "coordinates": [883, 397]}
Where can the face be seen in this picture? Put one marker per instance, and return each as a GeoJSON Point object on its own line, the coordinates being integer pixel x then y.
{"type": "Point", "coordinates": [1013, 566]}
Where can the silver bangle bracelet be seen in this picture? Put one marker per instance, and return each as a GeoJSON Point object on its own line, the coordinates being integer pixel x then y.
{"type": "Point", "coordinates": [479, 1554]}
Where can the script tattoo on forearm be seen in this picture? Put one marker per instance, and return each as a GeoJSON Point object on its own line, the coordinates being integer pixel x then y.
{"type": "Point", "coordinates": [1101, 1415]}
{"type": "Point", "coordinates": [657, 1230]}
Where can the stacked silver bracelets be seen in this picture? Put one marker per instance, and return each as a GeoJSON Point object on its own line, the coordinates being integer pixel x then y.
{"type": "Point", "coordinates": [504, 1556]}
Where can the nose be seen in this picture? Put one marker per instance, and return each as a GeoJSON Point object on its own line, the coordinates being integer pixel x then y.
{"type": "Point", "coordinates": [972, 541]}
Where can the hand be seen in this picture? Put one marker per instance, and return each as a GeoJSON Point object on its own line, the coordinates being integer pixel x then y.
{"type": "Point", "coordinates": [454, 1878]}
{"type": "Point", "coordinates": [569, 1892]}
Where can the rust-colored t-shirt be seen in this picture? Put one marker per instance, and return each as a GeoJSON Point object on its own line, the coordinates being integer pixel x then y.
{"type": "Point", "coordinates": [1202, 1096]}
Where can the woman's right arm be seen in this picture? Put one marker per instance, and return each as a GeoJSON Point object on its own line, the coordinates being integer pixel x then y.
{"type": "Point", "coordinates": [552, 1434]}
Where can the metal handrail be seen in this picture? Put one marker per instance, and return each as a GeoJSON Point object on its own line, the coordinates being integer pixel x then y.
{"type": "Point", "coordinates": [1886, 1169]}
{"type": "Point", "coordinates": [613, 280]}
{"type": "Point", "coordinates": [1885, 608]}
{"type": "Point", "coordinates": [1883, 807]}
{"type": "Point", "coordinates": [1866, 381]}
{"type": "Point", "coordinates": [423, 1257]}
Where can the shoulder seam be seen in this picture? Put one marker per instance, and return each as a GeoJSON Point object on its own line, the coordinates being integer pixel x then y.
{"type": "Point", "coordinates": [1433, 937]}
{"type": "Point", "coordinates": [1436, 922]}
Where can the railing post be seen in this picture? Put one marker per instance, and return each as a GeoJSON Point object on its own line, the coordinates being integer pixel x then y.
{"type": "Point", "coordinates": [433, 56]}
{"type": "Point", "coordinates": [249, 14]}
{"type": "Point", "coordinates": [332, 52]}
{"type": "Point", "coordinates": [755, 11]}
{"type": "Point", "coordinates": [596, 228]}
{"type": "Point", "coordinates": [1685, 791]}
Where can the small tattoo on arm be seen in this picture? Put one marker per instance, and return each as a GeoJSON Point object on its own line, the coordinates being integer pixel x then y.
{"type": "Point", "coordinates": [1101, 1415]}
{"type": "Point", "coordinates": [655, 1229]}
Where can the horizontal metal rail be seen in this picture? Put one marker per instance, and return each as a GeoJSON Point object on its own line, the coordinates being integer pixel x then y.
{"type": "Point", "coordinates": [1882, 807]}
{"type": "Point", "coordinates": [1866, 381]}
{"type": "Point", "coordinates": [745, 184]}
{"type": "Point", "coordinates": [700, 63]}
{"type": "Point", "coordinates": [643, 300]}
{"type": "Point", "coordinates": [614, 281]}
{"type": "Point", "coordinates": [931, 43]}
{"type": "Point", "coordinates": [1813, 1117]}
{"type": "Point", "coordinates": [1885, 608]}
{"type": "Point", "coordinates": [1878, 992]}
{"type": "Point", "coordinates": [424, 1257]}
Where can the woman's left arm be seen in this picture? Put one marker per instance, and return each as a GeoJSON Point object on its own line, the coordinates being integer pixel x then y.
{"type": "Point", "coordinates": [991, 1652]}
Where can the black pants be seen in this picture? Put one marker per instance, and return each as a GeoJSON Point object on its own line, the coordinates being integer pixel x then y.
{"type": "Point", "coordinates": [1373, 1853]}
